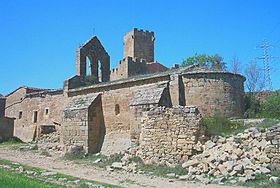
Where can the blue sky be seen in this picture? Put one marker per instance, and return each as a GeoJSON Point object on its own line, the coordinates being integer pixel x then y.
{"type": "Point", "coordinates": [38, 38]}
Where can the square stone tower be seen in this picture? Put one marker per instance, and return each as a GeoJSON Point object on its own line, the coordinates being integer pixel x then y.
{"type": "Point", "coordinates": [139, 44]}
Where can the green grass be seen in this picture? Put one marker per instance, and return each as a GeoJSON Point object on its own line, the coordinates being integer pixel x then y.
{"type": "Point", "coordinates": [262, 181]}
{"type": "Point", "coordinates": [162, 170]}
{"type": "Point", "coordinates": [11, 180]}
{"type": "Point", "coordinates": [268, 123]}
{"type": "Point", "coordinates": [105, 160]}
{"type": "Point", "coordinates": [11, 141]}
{"type": "Point", "coordinates": [219, 125]}
{"type": "Point", "coordinates": [40, 180]}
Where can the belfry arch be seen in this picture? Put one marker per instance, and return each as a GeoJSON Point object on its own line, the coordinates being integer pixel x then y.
{"type": "Point", "coordinates": [99, 66]}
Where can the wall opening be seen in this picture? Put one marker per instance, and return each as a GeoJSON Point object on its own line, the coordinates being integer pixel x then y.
{"type": "Point", "coordinates": [117, 109]}
{"type": "Point", "coordinates": [35, 116]}
{"type": "Point", "coordinates": [99, 71]}
{"type": "Point", "coordinates": [20, 115]}
{"type": "Point", "coordinates": [47, 111]}
{"type": "Point", "coordinates": [88, 68]}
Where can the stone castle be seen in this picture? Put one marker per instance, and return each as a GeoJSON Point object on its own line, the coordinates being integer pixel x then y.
{"type": "Point", "coordinates": [140, 101]}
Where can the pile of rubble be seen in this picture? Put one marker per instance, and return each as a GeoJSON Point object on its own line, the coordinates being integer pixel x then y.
{"type": "Point", "coordinates": [244, 155]}
{"type": "Point", "coordinates": [50, 142]}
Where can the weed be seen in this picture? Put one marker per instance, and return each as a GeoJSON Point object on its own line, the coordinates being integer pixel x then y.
{"type": "Point", "coordinates": [105, 161]}
{"type": "Point", "coordinates": [266, 123]}
{"type": "Point", "coordinates": [262, 181]}
{"type": "Point", "coordinates": [12, 179]}
{"type": "Point", "coordinates": [45, 153]}
{"type": "Point", "coordinates": [136, 159]}
{"type": "Point", "coordinates": [219, 125]}
{"type": "Point", "coordinates": [12, 141]}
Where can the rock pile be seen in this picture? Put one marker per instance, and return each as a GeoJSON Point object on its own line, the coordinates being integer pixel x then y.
{"type": "Point", "coordinates": [244, 155]}
{"type": "Point", "coordinates": [50, 142]}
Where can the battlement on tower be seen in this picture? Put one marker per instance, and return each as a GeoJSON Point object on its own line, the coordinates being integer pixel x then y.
{"type": "Point", "coordinates": [139, 43]}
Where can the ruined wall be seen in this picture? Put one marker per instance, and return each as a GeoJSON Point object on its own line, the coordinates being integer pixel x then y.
{"type": "Point", "coordinates": [14, 98]}
{"type": "Point", "coordinates": [176, 88]}
{"type": "Point", "coordinates": [215, 91]}
{"type": "Point", "coordinates": [139, 44]}
{"type": "Point", "coordinates": [2, 106]}
{"type": "Point", "coordinates": [273, 151]}
{"type": "Point", "coordinates": [48, 105]}
{"type": "Point", "coordinates": [121, 71]}
{"type": "Point", "coordinates": [72, 83]}
{"type": "Point", "coordinates": [99, 60]}
{"type": "Point", "coordinates": [169, 134]}
{"type": "Point", "coordinates": [129, 67]}
{"type": "Point", "coordinates": [6, 128]}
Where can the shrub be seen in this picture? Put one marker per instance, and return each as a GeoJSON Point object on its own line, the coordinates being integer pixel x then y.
{"type": "Point", "coordinates": [270, 107]}
{"type": "Point", "coordinates": [219, 125]}
{"type": "Point", "coordinates": [252, 106]}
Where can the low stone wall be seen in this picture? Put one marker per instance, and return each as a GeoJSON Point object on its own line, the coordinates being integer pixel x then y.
{"type": "Point", "coordinates": [273, 151]}
{"type": "Point", "coordinates": [6, 128]}
{"type": "Point", "coordinates": [168, 135]}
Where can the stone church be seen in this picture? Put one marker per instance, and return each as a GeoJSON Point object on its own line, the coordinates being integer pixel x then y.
{"type": "Point", "coordinates": [97, 101]}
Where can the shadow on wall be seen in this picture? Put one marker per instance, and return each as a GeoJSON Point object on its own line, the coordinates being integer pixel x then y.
{"type": "Point", "coordinates": [96, 126]}
{"type": "Point", "coordinates": [6, 128]}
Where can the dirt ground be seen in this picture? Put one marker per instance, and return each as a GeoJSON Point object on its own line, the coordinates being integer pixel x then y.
{"type": "Point", "coordinates": [83, 171]}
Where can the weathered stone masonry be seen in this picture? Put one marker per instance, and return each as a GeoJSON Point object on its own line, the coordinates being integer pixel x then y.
{"type": "Point", "coordinates": [84, 115]}
{"type": "Point", "coordinates": [83, 123]}
{"type": "Point", "coordinates": [168, 135]}
{"type": "Point", "coordinates": [6, 123]}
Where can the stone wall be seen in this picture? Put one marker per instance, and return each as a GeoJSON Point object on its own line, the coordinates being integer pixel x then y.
{"type": "Point", "coordinates": [273, 151]}
{"type": "Point", "coordinates": [99, 60]}
{"type": "Point", "coordinates": [2, 106]}
{"type": "Point", "coordinates": [169, 134]}
{"type": "Point", "coordinates": [34, 109]}
{"type": "Point", "coordinates": [129, 67]}
{"type": "Point", "coordinates": [121, 71]}
{"type": "Point", "coordinates": [119, 95]}
{"type": "Point", "coordinates": [6, 128]}
{"type": "Point", "coordinates": [15, 97]}
{"type": "Point", "coordinates": [83, 123]}
{"type": "Point", "coordinates": [215, 91]}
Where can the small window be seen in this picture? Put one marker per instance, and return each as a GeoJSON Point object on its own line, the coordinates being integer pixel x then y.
{"type": "Point", "coordinates": [47, 111]}
{"type": "Point", "coordinates": [117, 109]}
{"type": "Point", "coordinates": [35, 116]}
{"type": "Point", "coordinates": [20, 115]}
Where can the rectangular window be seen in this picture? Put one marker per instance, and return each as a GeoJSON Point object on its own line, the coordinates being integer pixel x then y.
{"type": "Point", "coordinates": [35, 117]}
{"type": "Point", "coordinates": [20, 115]}
{"type": "Point", "coordinates": [47, 111]}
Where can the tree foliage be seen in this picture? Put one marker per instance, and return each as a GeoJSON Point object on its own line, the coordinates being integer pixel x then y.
{"type": "Point", "coordinates": [204, 60]}
{"type": "Point", "coordinates": [270, 107]}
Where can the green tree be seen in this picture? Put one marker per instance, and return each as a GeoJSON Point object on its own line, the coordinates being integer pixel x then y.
{"type": "Point", "coordinates": [204, 60]}
{"type": "Point", "coordinates": [270, 107]}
